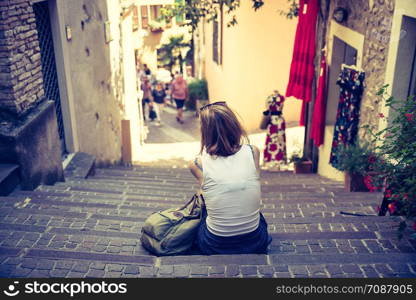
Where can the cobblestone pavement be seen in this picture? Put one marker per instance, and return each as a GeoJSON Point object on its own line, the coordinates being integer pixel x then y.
{"type": "Point", "coordinates": [90, 228]}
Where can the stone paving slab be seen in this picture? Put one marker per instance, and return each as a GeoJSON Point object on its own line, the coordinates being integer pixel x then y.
{"type": "Point", "coordinates": [139, 259]}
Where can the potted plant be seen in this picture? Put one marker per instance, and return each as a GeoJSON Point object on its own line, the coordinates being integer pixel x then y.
{"type": "Point", "coordinates": [156, 26]}
{"type": "Point", "coordinates": [396, 144]}
{"type": "Point", "coordinates": [301, 164]}
{"type": "Point", "coordinates": [357, 162]}
{"type": "Point", "coordinates": [198, 94]}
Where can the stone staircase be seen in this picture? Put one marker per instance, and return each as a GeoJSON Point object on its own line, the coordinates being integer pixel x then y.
{"type": "Point", "coordinates": [90, 228]}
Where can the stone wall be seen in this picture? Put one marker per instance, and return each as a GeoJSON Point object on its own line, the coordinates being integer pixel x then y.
{"type": "Point", "coordinates": [21, 83]}
{"type": "Point", "coordinates": [373, 19]}
{"type": "Point", "coordinates": [28, 126]}
{"type": "Point", "coordinates": [96, 77]}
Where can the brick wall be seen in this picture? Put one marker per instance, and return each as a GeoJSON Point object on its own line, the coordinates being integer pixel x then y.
{"type": "Point", "coordinates": [21, 83]}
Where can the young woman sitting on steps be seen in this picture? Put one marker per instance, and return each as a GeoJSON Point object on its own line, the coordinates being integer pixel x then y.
{"type": "Point", "coordinates": [228, 172]}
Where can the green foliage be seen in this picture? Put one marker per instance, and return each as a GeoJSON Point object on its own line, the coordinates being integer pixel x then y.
{"type": "Point", "coordinates": [397, 145]}
{"type": "Point", "coordinates": [169, 54]}
{"type": "Point", "coordinates": [196, 10]}
{"type": "Point", "coordinates": [257, 4]}
{"type": "Point", "coordinates": [198, 90]}
{"type": "Point", "coordinates": [355, 159]}
{"type": "Point", "coordinates": [293, 11]}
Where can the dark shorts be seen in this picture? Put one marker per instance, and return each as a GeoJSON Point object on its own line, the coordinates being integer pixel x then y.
{"type": "Point", "coordinates": [145, 100]}
{"type": "Point", "coordinates": [255, 242]}
{"type": "Point", "coordinates": [179, 103]}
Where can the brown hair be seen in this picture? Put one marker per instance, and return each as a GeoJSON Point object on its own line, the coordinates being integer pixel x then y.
{"type": "Point", "coordinates": [221, 131]}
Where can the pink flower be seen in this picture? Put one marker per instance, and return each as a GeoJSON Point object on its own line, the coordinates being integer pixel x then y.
{"type": "Point", "coordinates": [387, 193]}
{"type": "Point", "coordinates": [368, 183]}
{"type": "Point", "coordinates": [409, 116]}
{"type": "Point", "coordinates": [381, 115]}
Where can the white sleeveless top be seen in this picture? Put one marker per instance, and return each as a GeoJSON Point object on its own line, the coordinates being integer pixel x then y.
{"type": "Point", "coordinates": [231, 189]}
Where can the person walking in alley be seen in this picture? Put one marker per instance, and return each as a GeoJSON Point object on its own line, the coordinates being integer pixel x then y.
{"type": "Point", "coordinates": [159, 95]}
{"type": "Point", "coordinates": [227, 170]}
{"type": "Point", "coordinates": [147, 90]}
{"type": "Point", "coordinates": [146, 70]}
{"type": "Point", "coordinates": [275, 149]}
{"type": "Point", "coordinates": [179, 92]}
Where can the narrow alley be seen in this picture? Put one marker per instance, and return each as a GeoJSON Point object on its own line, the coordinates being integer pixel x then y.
{"type": "Point", "coordinates": [90, 227]}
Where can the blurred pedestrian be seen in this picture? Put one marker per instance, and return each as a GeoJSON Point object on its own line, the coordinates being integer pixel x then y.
{"type": "Point", "coordinates": [147, 90]}
{"type": "Point", "coordinates": [159, 96]}
{"type": "Point", "coordinates": [179, 92]}
{"type": "Point", "coordinates": [147, 70]}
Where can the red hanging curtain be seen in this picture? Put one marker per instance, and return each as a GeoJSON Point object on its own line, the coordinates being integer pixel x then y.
{"type": "Point", "coordinates": [302, 66]}
{"type": "Point", "coordinates": [318, 119]}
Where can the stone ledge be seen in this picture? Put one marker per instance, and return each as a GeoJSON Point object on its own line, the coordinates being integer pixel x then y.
{"type": "Point", "coordinates": [33, 144]}
{"type": "Point", "coordinates": [81, 166]}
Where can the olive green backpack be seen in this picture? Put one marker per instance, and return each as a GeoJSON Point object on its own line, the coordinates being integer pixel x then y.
{"type": "Point", "coordinates": [173, 231]}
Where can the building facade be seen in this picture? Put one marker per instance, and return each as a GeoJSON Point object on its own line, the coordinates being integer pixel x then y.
{"type": "Point", "coordinates": [378, 37]}
{"type": "Point", "coordinates": [67, 84]}
{"type": "Point", "coordinates": [245, 63]}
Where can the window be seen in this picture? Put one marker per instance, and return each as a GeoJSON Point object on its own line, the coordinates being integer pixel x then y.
{"type": "Point", "coordinates": [135, 18]}
{"type": "Point", "coordinates": [155, 12]}
{"type": "Point", "coordinates": [215, 41]}
{"type": "Point", "coordinates": [217, 37]}
{"type": "Point", "coordinates": [145, 16]}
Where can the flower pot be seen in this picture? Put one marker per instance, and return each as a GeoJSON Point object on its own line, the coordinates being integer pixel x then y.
{"type": "Point", "coordinates": [354, 183]}
{"type": "Point", "coordinates": [156, 30]}
{"type": "Point", "coordinates": [303, 167]}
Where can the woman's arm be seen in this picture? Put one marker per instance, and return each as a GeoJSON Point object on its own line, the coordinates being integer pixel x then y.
{"type": "Point", "coordinates": [196, 169]}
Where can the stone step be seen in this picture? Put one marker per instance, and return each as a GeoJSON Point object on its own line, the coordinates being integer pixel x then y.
{"type": "Point", "coordinates": [126, 243]}
{"type": "Point", "coordinates": [162, 202]}
{"type": "Point", "coordinates": [165, 186]}
{"type": "Point", "coordinates": [174, 185]}
{"type": "Point", "coordinates": [112, 190]}
{"type": "Point", "coordinates": [137, 205]}
{"type": "Point", "coordinates": [174, 175]}
{"type": "Point", "coordinates": [179, 199]}
{"type": "Point", "coordinates": [43, 264]}
{"type": "Point", "coordinates": [137, 211]}
{"type": "Point", "coordinates": [63, 214]}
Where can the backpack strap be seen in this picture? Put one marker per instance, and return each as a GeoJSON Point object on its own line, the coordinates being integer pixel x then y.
{"type": "Point", "coordinates": [198, 164]}
{"type": "Point", "coordinates": [252, 151]}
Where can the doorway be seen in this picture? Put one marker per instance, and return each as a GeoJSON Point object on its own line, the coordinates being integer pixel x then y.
{"type": "Point", "coordinates": [342, 53]}
{"type": "Point", "coordinates": [49, 71]}
{"type": "Point", "coordinates": [404, 83]}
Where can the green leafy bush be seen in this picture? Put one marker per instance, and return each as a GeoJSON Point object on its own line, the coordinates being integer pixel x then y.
{"type": "Point", "coordinates": [397, 145]}
{"type": "Point", "coordinates": [355, 159]}
{"type": "Point", "coordinates": [198, 90]}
